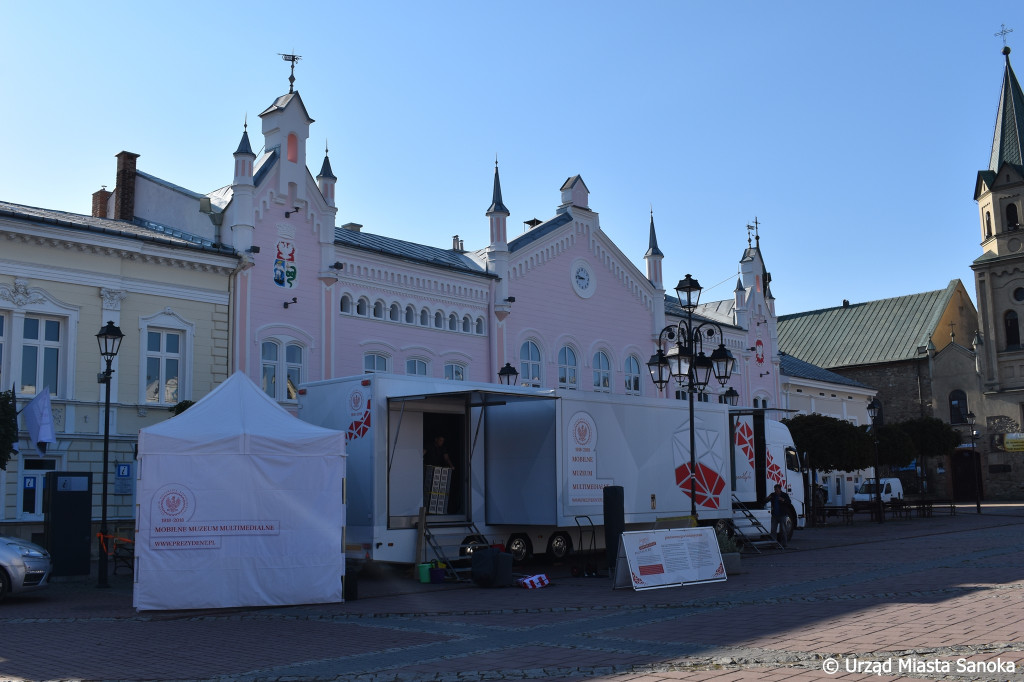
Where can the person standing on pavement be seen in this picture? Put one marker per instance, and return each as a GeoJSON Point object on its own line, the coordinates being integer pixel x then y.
{"type": "Point", "coordinates": [780, 513]}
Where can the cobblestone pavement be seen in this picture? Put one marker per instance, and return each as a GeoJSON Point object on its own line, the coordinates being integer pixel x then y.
{"type": "Point", "coordinates": [931, 598]}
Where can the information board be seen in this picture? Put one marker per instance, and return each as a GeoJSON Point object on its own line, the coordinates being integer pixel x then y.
{"type": "Point", "coordinates": [668, 558]}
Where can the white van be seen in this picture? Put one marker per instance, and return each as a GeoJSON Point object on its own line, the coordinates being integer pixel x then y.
{"type": "Point", "coordinates": [866, 495]}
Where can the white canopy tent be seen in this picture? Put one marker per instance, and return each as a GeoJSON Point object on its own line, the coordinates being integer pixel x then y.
{"type": "Point", "coordinates": [239, 504]}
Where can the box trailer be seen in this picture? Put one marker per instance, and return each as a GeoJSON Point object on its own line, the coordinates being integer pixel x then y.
{"type": "Point", "coordinates": [529, 465]}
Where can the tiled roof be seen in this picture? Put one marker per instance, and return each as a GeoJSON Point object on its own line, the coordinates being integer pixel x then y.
{"type": "Point", "coordinates": [419, 253]}
{"type": "Point", "coordinates": [701, 313]}
{"type": "Point", "coordinates": [1009, 130]}
{"type": "Point", "coordinates": [139, 229]}
{"type": "Point", "coordinates": [539, 231]}
{"type": "Point", "coordinates": [794, 367]}
{"type": "Point", "coordinates": [889, 330]}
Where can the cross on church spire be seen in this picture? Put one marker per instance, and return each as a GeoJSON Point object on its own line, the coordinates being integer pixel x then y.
{"type": "Point", "coordinates": [291, 79]}
{"type": "Point", "coordinates": [1003, 33]}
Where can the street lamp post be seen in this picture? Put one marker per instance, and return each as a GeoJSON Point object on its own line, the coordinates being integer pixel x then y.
{"type": "Point", "coordinates": [688, 364]}
{"type": "Point", "coordinates": [109, 340]}
{"type": "Point", "coordinates": [875, 413]}
{"type": "Point", "coordinates": [975, 462]}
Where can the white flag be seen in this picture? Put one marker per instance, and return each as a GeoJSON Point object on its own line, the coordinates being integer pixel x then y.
{"type": "Point", "coordinates": [39, 420]}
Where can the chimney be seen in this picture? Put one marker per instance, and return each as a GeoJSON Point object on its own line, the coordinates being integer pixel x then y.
{"type": "Point", "coordinates": [846, 303]}
{"type": "Point", "coordinates": [124, 199]}
{"type": "Point", "coordinates": [352, 227]}
{"type": "Point", "coordinates": [99, 202]}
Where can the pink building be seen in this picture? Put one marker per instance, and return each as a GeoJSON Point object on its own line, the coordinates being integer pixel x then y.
{"type": "Point", "coordinates": [560, 302]}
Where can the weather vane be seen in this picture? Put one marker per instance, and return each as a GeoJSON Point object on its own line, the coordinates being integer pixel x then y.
{"type": "Point", "coordinates": [1002, 34]}
{"type": "Point", "coordinates": [291, 79]}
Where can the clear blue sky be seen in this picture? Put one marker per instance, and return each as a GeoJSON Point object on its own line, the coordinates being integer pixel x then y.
{"type": "Point", "coordinates": [853, 131]}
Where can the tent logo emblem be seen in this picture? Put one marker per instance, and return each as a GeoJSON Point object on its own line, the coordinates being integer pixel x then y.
{"type": "Point", "coordinates": [175, 502]}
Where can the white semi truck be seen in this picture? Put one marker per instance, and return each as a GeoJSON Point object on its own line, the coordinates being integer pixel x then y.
{"type": "Point", "coordinates": [530, 465]}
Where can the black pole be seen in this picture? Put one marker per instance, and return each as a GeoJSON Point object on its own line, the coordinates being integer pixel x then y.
{"type": "Point", "coordinates": [976, 461]}
{"type": "Point", "coordinates": [104, 531]}
{"type": "Point", "coordinates": [691, 395]}
{"type": "Point", "coordinates": [878, 482]}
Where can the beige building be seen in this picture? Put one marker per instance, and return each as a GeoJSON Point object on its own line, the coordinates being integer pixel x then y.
{"type": "Point", "coordinates": [62, 278]}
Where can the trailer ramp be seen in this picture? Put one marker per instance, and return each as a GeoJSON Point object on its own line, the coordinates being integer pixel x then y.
{"type": "Point", "coordinates": [750, 529]}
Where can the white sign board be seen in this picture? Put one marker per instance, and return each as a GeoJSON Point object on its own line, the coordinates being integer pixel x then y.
{"type": "Point", "coordinates": [668, 558]}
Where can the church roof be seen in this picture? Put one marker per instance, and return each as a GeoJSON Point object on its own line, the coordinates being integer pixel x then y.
{"type": "Point", "coordinates": [797, 368]}
{"type": "Point", "coordinates": [496, 205]}
{"type": "Point", "coordinates": [410, 251]}
{"type": "Point", "coordinates": [652, 241]}
{"type": "Point", "coordinates": [1008, 139]}
{"type": "Point", "coordinates": [282, 102]}
{"type": "Point", "coordinates": [852, 334]}
{"type": "Point", "coordinates": [138, 229]}
{"type": "Point", "coordinates": [325, 170]}
{"type": "Point", "coordinates": [541, 230]}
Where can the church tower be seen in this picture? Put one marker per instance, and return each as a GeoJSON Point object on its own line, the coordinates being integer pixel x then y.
{"type": "Point", "coordinates": [999, 271]}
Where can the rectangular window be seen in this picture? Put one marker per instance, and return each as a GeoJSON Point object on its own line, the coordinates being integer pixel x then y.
{"type": "Point", "coordinates": [293, 365]}
{"type": "Point", "coordinates": [40, 355]}
{"type": "Point", "coordinates": [163, 364]}
{"type": "Point", "coordinates": [454, 372]}
{"type": "Point", "coordinates": [417, 367]}
{"type": "Point", "coordinates": [269, 354]}
{"type": "Point", "coordinates": [32, 481]}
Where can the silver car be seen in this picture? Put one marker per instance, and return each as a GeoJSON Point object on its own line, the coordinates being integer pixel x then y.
{"type": "Point", "coordinates": [23, 566]}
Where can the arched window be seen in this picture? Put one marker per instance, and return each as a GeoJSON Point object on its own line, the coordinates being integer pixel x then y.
{"type": "Point", "coordinates": [602, 373]}
{"type": "Point", "coordinates": [480, 325]}
{"type": "Point", "coordinates": [1012, 327]}
{"type": "Point", "coordinates": [394, 313]}
{"type": "Point", "coordinates": [438, 320]}
{"type": "Point", "coordinates": [293, 148]}
{"type": "Point", "coordinates": [567, 368]}
{"type": "Point", "coordinates": [346, 304]}
{"type": "Point", "coordinates": [290, 366]}
{"type": "Point", "coordinates": [1012, 221]}
{"type": "Point", "coordinates": [417, 367]}
{"type": "Point", "coordinates": [375, 362]}
{"type": "Point", "coordinates": [958, 407]}
{"type": "Point", "coordinates": [361, 307]}
{"type": "Point", "coordinates": [410, 315]}
{"type": "Point", "coordinates": [378, 310]}
{"type": "Point", "coordinates": [632, 375]}
{"type": "Point", "coordinates": [453, 322]}
{"type": "Point", "coordinates": [424, 318]}
{"type": "Point", "coordinates": [467, 325]}
{"type": "Point", "coordinates": [454, 372]}
{"type": "Point", "coordinates": [988, 224]}
{"type": "Point", "coordinates": [529, 364]}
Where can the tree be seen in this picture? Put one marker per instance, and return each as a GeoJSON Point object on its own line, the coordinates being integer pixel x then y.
{"type": "Point", "coordinates": [932, 437]}
{"type": "Point", "coordinates": [830, 444]}
{"type": "Point", "coordinates": [895, 446]}
{"type": "Point", "coordinates": [8, 427]}
{"type": "Point", "coordinates": [181, 407]}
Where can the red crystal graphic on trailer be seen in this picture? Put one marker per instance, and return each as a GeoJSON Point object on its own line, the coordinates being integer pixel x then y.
{"type": "Point", "coordinates": [359, 427]}
{"type": "Point", "coordinates": [707, 485]}
{"type": "Point", "coordinates": [745, 442]}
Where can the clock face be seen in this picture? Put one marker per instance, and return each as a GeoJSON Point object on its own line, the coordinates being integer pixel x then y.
{"type": "Point", "coordinates": [582, 277]}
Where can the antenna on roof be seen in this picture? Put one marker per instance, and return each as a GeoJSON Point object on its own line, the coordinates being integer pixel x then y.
{"type": "Point", "coordinates": [291, 79]}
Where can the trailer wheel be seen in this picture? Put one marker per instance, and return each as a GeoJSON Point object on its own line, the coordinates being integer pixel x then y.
{"type": "Point", "coordinates": [559, 546]}
{"type": "Point", "coordinates": [520, 547]}
{"type": "Point", "coordinates": [471, 544]}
